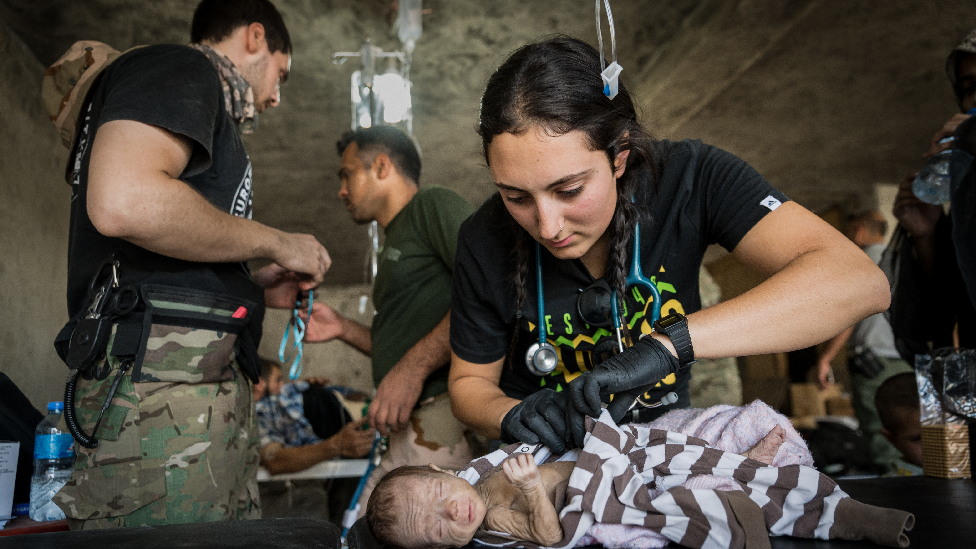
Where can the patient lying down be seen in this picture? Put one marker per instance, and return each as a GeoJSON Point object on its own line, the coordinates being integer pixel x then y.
{"type": "Point", "coordinates": [427, 507]}
{"type": "Point", "coordinates": [637, 486]}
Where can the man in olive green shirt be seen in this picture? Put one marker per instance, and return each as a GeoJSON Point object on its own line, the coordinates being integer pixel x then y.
{"type": "Point", "coordinates": [409, 338]}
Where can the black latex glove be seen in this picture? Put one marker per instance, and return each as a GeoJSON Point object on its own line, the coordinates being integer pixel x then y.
{"type": "Point", "coordinates": [540, 417]}
{"type": "Point", "coordinates": [625, 375]}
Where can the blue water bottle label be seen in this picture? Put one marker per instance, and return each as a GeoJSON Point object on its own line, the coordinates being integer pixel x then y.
{"type": "Point", "coordinates": [53, 446]}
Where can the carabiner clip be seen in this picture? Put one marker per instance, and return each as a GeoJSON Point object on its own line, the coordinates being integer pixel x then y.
{"type": "Point", "coordinates": [100, 287]}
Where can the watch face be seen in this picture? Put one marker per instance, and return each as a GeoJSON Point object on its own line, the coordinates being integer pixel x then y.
{"type": "Point", "coordinates": [669, 321]}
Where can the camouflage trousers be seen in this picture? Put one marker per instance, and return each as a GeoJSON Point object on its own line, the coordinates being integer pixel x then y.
{"type": "Point", "coordinates": [180, 448]}
{"type": "Point", "coordinates": [434, 435]}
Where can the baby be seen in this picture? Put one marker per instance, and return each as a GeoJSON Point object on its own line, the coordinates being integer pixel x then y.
{"type": "Point", "coordinates": [418, 507]}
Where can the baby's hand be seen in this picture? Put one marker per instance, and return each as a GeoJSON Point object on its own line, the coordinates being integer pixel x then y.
{"type": "Point", "coordinates": [521, 471]}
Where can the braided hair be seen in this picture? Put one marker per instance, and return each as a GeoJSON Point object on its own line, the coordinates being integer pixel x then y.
{"type": "Point", "coordinates": [555, 85]}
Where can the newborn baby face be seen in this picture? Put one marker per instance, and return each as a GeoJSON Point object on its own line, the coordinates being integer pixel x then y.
{"type": "Point", "coordinates": [440, 511]}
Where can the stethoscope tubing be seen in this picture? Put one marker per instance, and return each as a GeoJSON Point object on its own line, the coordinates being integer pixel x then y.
{"type": "Point", "coordinates": [634, 278]}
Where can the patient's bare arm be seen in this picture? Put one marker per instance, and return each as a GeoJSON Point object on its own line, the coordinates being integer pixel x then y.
{"type": "Point", "coordinates": [533, 517]}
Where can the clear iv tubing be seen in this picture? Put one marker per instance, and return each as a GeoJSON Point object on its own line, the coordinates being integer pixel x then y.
{"type": "Point", "coordinates": [599, 33]}
{"type": "Point", "coordinates": [374, 247]}
{"type": "Point", "coordinates": [371, 264]}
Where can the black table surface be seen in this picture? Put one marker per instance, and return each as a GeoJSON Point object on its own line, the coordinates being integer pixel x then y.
{"type": "Point", "coordinates": [944, 509]}
{"type": "Point", "coordinates": [945, 518]}
{"type": "Point", "coordinates": [284, 533]}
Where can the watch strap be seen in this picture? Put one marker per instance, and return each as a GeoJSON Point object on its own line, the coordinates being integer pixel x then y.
{"type": "Point", "coordinates": [675, 326]}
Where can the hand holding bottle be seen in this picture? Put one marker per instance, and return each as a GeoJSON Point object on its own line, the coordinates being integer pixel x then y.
{"type": "Point", "coordinates": [933, 183]}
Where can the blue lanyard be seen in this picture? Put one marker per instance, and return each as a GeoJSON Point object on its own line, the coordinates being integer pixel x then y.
{"type": "Point", "coordinates": [299, 327]}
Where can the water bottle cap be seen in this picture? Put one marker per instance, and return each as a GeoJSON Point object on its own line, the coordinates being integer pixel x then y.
{"type": "Point", "coordinates": [55, 406]}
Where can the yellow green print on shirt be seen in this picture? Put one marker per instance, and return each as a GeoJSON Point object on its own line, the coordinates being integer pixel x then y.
{"type": "Point", "coordinates": [566, 338]}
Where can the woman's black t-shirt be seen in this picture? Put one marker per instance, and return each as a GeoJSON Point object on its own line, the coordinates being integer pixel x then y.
{"type": "Point", "coordinates": [705, 196]}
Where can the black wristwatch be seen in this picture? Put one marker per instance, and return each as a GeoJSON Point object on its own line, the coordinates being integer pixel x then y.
{"type": "Point", "coordinates": [675, 326]}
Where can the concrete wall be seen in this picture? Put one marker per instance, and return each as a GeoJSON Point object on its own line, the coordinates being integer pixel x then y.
{"type": "Point", "coordinates": [34, 210]}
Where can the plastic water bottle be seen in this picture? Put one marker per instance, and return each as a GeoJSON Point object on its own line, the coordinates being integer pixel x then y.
{"type": "Point", "coordinates": [931, 185]}
{"type": "Point", "coordinates": [54, 459]}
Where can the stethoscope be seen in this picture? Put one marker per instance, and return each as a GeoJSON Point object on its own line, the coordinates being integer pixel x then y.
{"type": "Point", "coordinates": [541, 358]}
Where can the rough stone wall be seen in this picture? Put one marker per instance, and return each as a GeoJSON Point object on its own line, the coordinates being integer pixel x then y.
{"type": "Point", "coordinates": [34, 211]}
{"type": "Point", "coordinates": [826, 99]}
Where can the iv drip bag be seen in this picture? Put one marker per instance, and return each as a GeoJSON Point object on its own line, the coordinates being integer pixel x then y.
{"type": "Point", "coordinates": [409, 22]}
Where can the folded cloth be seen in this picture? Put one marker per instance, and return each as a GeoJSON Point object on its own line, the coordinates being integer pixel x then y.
{"type": "Point", "coordinates": [638, 476]}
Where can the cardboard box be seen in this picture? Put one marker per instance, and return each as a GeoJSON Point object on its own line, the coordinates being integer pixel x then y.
{"type": "Point", "coordinates": [806, 400]}
{"type": "Point", "coordinates": [945, 451]}
{"type": "Point", "coordinates": [839, 406]}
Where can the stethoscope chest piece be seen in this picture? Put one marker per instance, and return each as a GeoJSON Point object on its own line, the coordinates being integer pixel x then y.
{"type": "Point", "coordinates": [541, 358]}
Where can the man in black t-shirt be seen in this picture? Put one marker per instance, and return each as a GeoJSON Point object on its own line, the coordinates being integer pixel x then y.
{"type": "Point", "coordinates": [161, 182]}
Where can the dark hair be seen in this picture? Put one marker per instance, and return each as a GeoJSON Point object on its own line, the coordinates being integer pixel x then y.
{"type": "Point", "coordinates": [965, 47]}
{"type": "Point", "coordinates": [215, 20]}
{"type": "Point", "coordinates": [382, 509]}
{"type": "Point", "coordinates": [401, 149]}
{"type": "Point", "coordinates": [267, 368]}
{"type": "Point", "coordinates": [898, 392]}
{"type": "Point", "coordinates": [555, 85]}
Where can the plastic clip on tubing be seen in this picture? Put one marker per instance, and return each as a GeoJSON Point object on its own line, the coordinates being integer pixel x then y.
{"type": "Point", "coordinates": [611, 73]}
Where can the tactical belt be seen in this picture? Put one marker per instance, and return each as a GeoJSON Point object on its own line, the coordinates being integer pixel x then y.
{"type": "Point", "coordinates": [133, 310]}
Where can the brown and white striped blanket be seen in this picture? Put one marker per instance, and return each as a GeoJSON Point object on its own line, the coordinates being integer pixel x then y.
{"type": "Point", "coordinates": [635, 475]}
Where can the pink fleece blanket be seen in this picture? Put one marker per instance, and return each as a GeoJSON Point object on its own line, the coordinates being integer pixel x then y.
{"type": "Point", "coordinates": [738, 428]}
